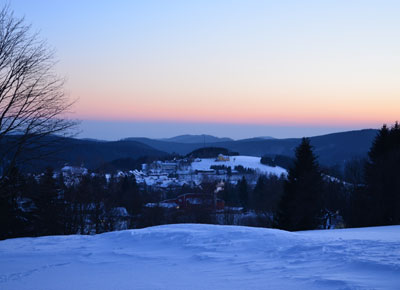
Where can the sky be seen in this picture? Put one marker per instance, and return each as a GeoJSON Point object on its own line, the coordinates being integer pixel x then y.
{"type": "Point", "coordinates": [229, 68]}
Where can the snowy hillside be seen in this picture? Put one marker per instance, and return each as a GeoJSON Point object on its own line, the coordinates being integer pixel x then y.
{"type": "Point", "coordinates": [245, 161]}
{"type": "Point", "coordinates": [205, 257]}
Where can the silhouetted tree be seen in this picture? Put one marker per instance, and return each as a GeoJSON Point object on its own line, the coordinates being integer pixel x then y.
{"type": "Point", "coordinates": [82, 203]}
{"type": "Point", "coordinates": [32, 99]}
{"type": "Point", "coordinates": [49, 206]}
{"type": "Point", "coordinates": [14, 221]}
{"type": "Point", "coordinates": [301, 203]}
{"type": "Point", "coordinates": [97, 200]}
{"type": "Point", "coordinates": [243, 189]}
{"type": "Point", "coordinates": [354, 171]}
{"type": "Point", "coordinates": [230, 195]}
{"type": "Point", "coordinates": [335, 202]}
{"type": "Point", "coordinates": [129, 195]}
{"type": "Point", "coordinates": [32, 108]}
{"type": "Point", "coordinates": [259, 194]}
{"type": "Point", "coordinates": [382, 178]}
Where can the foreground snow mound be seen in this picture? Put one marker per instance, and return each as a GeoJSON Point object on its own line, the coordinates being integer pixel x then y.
{"type": "Point", "coordinates": [195, 256]}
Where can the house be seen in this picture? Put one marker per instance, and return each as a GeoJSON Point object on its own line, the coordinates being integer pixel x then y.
{"type": "Point", "coordinates": [222, 158]}
{"type": "Point", "coordinates": [74, 170]}
{"type": "Point", "coordinates": [191, 201]}
{"type": "Point", "coordinates": [196, 200]}
{"type": "Point", "coordinates": [169, 167]}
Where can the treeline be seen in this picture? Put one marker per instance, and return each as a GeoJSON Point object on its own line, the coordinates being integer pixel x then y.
{"type": "Point", "coordinates": [210, 152]}
{"type": "Point", "coordinates": [307, 198]}
{"type": "Point", "coordinates": [278, 160]}
{"type": "Point", "coordinates": [376, 201]}
{"type": "Point", "coordinates": [372, 199]}
{"type": "Point", "coordinates": [368, 194]}
{"type": "Point", "coordinates": [44, 205]}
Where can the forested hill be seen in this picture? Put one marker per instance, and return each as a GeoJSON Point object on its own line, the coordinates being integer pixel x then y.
{"type": "Point", "coordinates": [331, 149]}
{"type": "Point", "coordinates": [196, 139]}
{"type": "Point", "coordinates": [89, 153]}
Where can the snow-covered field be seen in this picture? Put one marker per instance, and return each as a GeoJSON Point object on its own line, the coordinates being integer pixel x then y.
{"type": "Point", "coordinates": [245, 161]}
{"type": "Point", "coordinates": [194, 257]}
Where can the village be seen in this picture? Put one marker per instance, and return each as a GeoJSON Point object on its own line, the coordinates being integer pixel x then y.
{"type": "Point", "coordinates": [174, 173]}
{"type": "Point", "coordinates": [187, 186]}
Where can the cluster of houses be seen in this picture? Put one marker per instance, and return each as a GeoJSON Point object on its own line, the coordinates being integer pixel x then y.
{"type": "Point", "coordinates": [191, 201]}
{"type": "Point", "coordinates": [167, 176]}
{"type": "Point", "coordinates": [172, 174]}
{"type": "Point", "coordinates": [179, 172]}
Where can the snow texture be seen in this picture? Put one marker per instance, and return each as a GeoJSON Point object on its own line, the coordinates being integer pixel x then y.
{"type": "Point", "coordinates": [245, 161]}
{"type": "Point", "coordinates": [192, 256]}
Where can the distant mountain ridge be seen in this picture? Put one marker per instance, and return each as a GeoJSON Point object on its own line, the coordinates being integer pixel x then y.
{"type": "Point", "coordinates": [332, 149]}
{"type": "Point", "coordinates": [187, 138]}
{"type": "Point", "coordinates": [89, 153]}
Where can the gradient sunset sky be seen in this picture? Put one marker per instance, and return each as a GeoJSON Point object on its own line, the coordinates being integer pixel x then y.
{"type": "Point", "coordinates": [228, 68]}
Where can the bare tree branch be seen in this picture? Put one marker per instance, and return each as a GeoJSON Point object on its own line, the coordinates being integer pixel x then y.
{"type": "Point", "coordinates": [32, 98]}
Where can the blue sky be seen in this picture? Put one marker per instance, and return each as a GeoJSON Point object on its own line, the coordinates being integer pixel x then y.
{"type": "Point", "coordinates": [228, 68]}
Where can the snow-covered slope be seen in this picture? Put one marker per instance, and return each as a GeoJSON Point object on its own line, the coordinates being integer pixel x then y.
{"type": "Point", "coordinates": [245, 161]}
{"type": "Point", "coordinates": [205, 257]}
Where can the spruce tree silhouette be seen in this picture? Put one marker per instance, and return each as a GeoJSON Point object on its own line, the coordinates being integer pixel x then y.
{"type": "Point", "coordinates": [301, 203]}
{"type": "Point", "coordinates": [382, 180]}
{"type": "Point", "coordinates": [49, 206]}
{"type": "Point", "coordinates": [243, 192]}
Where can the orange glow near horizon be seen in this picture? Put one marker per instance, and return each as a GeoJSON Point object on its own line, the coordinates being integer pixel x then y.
{"type": "Point", "coordinates": [288, 108]}
{"type": "Point", "coordinates": [284, 64]}
{"type": "Point", "coordinates": [272, 116]}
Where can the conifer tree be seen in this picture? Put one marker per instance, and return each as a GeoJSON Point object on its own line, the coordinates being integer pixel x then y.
{"type": "Point", "coordinates": [300, 205]}
{"type": "Point", "coordinates": [258, 196]}
{"type": "Point", "coordinates": [243, 192]}
{"type": "Point", "coordinates": [49, 206]}
{"type": "Point", "coordinates": [382, 180]}
{"type": "Point", "coordinates": [14, 222]}
{"type": "Point", "coordinates": [229, 194]}
{"type": "Point", "coordinates": [97, 192]}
